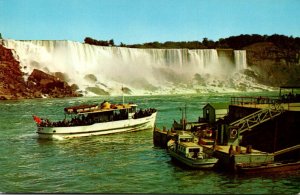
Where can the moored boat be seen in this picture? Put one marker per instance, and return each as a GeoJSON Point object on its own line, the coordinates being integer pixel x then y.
{"type": "Point", "coordinates": [186, 150]}
{"type": "Point", "coordinates": [88, 120]}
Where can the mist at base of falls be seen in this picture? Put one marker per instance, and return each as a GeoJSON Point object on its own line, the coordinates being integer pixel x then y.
{"type": "Point", "coordinates": [97, 70]}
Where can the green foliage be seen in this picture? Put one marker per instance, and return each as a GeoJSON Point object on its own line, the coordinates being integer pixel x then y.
{"type": "Point", "coordinates": [92, 41]}
{"type": "Point", "coordinates": [170, 45]}
{"type": "Point", "coordinates": [281, 41]}
{"type": "Point", "coordinates": [233, 42]}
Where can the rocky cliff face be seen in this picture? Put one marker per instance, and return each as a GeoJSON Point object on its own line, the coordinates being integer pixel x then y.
{"type": "Point", "coordinates": [39, 84]}
{"type": "Point", "coordinates": [272, 65]}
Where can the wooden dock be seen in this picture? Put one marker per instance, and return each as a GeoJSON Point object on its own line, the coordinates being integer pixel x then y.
{"type": "Point", "coordinates": [161, 137]}
{"type": "Point", "coordinates": [231, 156]}
{"type": "Point", "coordinates": [267, 126]}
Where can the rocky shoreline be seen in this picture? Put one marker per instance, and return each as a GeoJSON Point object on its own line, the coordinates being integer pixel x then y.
{"type": "Point", "coordinates": [38, 85]}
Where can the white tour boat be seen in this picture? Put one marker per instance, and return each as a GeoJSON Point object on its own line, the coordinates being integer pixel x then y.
{"type": "Point", "coordinates": [186, 149]}
{"type": "Point", "coordinates": [96, 119]}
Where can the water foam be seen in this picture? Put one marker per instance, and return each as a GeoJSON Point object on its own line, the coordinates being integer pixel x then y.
{"type": "Point", "coordinates": [143, 71]}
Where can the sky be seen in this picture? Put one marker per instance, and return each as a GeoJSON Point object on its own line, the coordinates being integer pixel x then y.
{"type": "Point", "coordinates": [140, 21]}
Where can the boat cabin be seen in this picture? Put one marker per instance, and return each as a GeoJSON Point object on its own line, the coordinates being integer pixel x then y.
{"type": "Point", "coordinates": [189, 149]}
{"type": "Point", "coordinates": [104, 113]}
{"type": "Point", "coordinates": [90, 114]}
{"type": "Point", "coordinates": [182, 136]}
{"type": "Point", "coordinates": [83, 115]}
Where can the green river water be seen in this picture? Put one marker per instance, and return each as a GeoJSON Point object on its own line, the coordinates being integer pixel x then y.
{"type": "Point", "coordinates": [119, 163]}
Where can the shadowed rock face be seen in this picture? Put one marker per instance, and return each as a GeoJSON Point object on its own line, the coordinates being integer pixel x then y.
{"type": "Point", "coordinates": [45, 84]}
{"type": "Point", "coordinates": [39, 84]}
{"type": "Point", "coordinates": [12, 85]}
{"type": "Point", "coordinates": [273, 66]}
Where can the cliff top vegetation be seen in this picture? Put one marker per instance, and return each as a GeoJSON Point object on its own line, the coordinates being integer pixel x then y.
{"type": "Point", "coordinates": [232, 42]}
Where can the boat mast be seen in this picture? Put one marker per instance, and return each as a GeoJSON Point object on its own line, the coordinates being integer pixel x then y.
{"type": "Point", "coordinates": [183, 118]}
{"type": "Point", "coordinates": [185, 111]}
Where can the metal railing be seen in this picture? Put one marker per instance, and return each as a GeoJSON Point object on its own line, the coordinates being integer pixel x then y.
{"type": "Point", "coordinates": [247, 100]}
{"type": "Point", "coordinates": [256, 118]}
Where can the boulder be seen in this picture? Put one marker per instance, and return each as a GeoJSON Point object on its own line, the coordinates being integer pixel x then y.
{"type": "Point", "coordinates": [38, 84]}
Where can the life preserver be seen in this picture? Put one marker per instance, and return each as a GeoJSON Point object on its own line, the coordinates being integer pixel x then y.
{"type": "Point", "coordinates": [233, 133]}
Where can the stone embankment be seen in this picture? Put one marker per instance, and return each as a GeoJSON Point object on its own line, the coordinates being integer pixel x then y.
{"type": "Point", "coordinates": [39, 84]}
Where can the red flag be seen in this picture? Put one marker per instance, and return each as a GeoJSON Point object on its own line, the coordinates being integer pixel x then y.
{"type": "Point", "coordinates": [37, 119]}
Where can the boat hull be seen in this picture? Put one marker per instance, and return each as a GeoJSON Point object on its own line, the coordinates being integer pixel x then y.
{"type": "Point", "coordinates": [205, 163]}
{"type": "Point", "coordinates": [104, 128]}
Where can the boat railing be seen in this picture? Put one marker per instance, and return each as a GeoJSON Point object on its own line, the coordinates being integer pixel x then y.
{"type": "Point", "coordinates": [271, 102]}
{"type": "Point", "coordinates": [250, 100]}
{"type": "Point", "coordinates": [144, 113]}
{"type": "Point", "coordinates": [88, 120]}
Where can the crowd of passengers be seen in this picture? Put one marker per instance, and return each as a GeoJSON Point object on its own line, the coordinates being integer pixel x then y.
{"type": "Point", "coordinates": [90, 119]}
{"type": "Point", "coordinates": [143, 113]}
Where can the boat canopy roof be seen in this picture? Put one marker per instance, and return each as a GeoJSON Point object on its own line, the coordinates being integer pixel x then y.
{"type": "Point", "coordinates": [96, 108]}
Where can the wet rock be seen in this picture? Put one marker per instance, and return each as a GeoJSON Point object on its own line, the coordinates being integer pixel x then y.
{"type": "Point", "coordinates": [91, 78]}
{"type": "Point", "coordinates": [62, 76]}
{"type": "Point", "coordinates": [97, 91]}
{"type": "Point", "coordinates": [38, 85]}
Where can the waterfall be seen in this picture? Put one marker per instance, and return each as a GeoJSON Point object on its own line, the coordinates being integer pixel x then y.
{"type": "Point", "coordinates": [144, 71]}
{"type": "Point", "coordinates": [240, 59]}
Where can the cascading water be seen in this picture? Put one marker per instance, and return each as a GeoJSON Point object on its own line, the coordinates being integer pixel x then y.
{"type": "Point", "coordinates": [240, 59]}
{"type": "Point", "coordinates": [143, 71]}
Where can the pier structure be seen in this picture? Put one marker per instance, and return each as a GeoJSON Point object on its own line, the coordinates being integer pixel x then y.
{"type": "Point", "coordinates": [268, 124]}
{"type": "Point", "coordinates": [257, 132]}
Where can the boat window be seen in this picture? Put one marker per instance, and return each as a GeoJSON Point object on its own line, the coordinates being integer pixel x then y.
{"type": "Point", "coordinates": [132, 109]}
{"type": "Point", "coordinates": [194, 150]}
{"type": "Point", "coordinates": [186, 139]}
{"type": "Point", "coordinates": [120, 115]}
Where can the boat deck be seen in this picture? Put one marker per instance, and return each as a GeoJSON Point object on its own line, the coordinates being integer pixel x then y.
{"type": "Point", "coordinates": [189, 144]}
{"type": "Point", "coordinates": [239, 155]}
{"type": "Point", "coordinates": [225, 149]}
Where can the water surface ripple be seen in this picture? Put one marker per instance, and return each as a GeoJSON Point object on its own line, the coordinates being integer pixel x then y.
{"type": "Point", "coordinates": [120, 163]}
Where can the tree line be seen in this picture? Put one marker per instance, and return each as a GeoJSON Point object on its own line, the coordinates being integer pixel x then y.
{"type": "Point", "coordinates": [232, 42]}
{"type": "Point", "coordinates": [91, 41]}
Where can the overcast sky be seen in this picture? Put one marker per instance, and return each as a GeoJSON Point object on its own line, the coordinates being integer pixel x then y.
{"type": "Point", "coordinates": [140, 21]}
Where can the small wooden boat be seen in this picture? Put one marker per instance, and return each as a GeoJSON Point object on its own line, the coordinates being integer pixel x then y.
{"type": "Point", "coordinates": [96, 119]}
{"type": "Point", "coordinates": [186, 150]}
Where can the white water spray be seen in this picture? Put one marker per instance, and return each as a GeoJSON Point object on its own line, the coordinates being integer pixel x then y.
{"type": "Point", "coordinates": [144, 71]}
